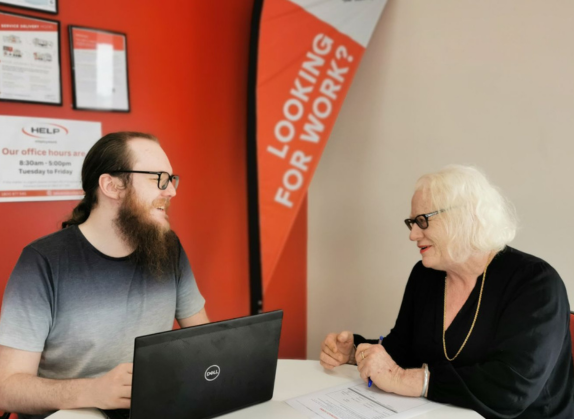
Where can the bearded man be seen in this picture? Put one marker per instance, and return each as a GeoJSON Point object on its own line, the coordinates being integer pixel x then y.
{"type": "Point", "coordinates": [77, 298]}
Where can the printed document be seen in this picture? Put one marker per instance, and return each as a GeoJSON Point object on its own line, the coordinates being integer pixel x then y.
{"type": "Point", "coordinates": [357, 401]}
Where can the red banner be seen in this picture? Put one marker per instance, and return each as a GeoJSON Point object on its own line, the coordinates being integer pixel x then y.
{"type": "Point", "coordinates": [308, 53]}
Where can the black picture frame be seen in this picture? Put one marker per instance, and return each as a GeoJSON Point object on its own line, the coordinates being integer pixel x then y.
{"type": "Point", "coordinates": [59, 54]}
{"type": "Point", "coordinates": [31, 7]}
{"type": "Point", "coordinates": [75, 105]}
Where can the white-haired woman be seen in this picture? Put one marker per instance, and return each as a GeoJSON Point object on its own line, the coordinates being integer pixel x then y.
{"type": "Point", "coordinates": [481, 325]}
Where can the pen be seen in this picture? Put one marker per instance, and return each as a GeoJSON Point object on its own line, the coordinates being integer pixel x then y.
{"type": "Point", "coordinates": [371, 381]}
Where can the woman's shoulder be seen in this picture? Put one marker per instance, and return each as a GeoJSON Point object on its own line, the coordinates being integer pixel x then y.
{"type": "Point", "coordinates": [520, 270]}
{"type": "Point", "coordinates": [515, 260]}
{"type": "Point", "coordinates": [510, 253]}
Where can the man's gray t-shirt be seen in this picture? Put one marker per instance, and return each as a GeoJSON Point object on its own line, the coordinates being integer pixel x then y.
{"type": "Point", "coordinates": [83, 309]}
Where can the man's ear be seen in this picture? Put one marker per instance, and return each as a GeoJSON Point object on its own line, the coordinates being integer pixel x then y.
{"type": "Point", "coordinates": [111, 186]}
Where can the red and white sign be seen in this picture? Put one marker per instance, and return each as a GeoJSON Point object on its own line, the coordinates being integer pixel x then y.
{"type": "Point", "coordinates": [15, 23]}
{"type": "Point", "coordinates": [308, 54]}
{"type": "Point", "coordinates": [100, 70]}
{"type": "Point", "coordinates": [30, 59]}
{"type": "Point", "coordinates": [41, 159]}
{"type": "Point", "coordinates": [90, 39]}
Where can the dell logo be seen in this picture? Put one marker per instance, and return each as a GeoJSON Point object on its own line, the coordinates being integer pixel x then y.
{"type": "Point", "coordinates": [212, 373]}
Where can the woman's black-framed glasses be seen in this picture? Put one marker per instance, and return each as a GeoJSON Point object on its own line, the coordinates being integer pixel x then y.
{"type": "Point", "coordinates": [422, 220]}
{"type": "Point", "coordinates": [163, 178]}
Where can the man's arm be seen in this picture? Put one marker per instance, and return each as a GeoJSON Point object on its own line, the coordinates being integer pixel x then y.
{"type": "Point", "coordinates": [21, 390]}
{"type": "Point", "coordinates": [198, 318]}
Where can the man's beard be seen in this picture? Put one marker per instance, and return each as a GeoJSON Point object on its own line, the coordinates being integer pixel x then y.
{"type": "Point", "coordinates": [156, 248]}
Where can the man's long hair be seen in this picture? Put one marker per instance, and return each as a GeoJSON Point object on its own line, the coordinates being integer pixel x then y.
{"type": "Point", "coordinates": [109, 153]}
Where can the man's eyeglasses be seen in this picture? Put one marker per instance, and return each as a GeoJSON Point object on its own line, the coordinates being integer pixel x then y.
{"type": "Point", "coordinates": [422, 220]}
{"type": "Point", "coordinates": [163, 178]}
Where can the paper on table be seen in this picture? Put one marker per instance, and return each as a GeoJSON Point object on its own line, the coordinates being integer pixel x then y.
{"type": "Point", "coordinates": [357, 401]}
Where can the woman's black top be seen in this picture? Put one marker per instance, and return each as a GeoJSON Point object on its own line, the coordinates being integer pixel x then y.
{"type": "Point", "coordinates": [517, 362]}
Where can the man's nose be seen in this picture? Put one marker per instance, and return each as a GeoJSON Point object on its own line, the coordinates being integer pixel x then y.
{"type": "Point", "coordinates": [169, 191]}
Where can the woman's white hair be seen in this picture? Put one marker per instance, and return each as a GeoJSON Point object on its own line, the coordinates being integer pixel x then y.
{"type": "Point", "coordinates": [477, 218]}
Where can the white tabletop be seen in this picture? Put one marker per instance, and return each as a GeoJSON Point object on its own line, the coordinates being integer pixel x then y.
{"type": "Point", "coordinates": [295, 378]}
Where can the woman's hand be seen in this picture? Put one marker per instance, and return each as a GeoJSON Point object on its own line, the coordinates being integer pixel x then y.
{"type": "Point", "coordinates": [337, 349]}
{"type": "Point", "coordinates": [375, 363]}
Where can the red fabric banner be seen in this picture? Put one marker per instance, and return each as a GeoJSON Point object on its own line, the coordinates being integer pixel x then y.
{"type": "Point", "coordinates": [308, 53]}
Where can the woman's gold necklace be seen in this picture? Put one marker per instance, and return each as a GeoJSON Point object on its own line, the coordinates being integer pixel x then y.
{"type": "Point", "coordinates": [473, 322]}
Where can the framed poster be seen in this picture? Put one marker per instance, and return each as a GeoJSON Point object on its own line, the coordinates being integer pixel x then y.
{"type": "Point", "coordinates": [41, 158]}
{"type": "Point", "coordinates": [99, 69]}
{"type": "Point", "coordinates": [48, 6]}
{"type": "Point", "coordinates": [30, 60]}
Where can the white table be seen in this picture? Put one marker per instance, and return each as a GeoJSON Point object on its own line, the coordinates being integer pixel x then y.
{"type": "Point", "coordinates": [294, 378]}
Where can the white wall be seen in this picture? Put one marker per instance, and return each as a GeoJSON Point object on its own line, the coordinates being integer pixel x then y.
{"type": "Point", "coordinates": [488, 83]}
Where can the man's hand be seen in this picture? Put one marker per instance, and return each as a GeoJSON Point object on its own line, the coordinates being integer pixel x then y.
{"type": "Point", "coordinates": [337, 349]}
{"type": "Point", "coordinates": [21, 390]}
{"type": "Point", "coordinates": [113, 390]}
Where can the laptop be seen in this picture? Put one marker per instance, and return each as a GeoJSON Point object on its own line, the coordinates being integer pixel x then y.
{"type": "Point", "coordinates": [204, 371]}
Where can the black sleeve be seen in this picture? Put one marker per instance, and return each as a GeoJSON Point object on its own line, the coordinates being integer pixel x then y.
{"type": "Point", "coordinates": [527, 344]}
{"type": "Point", "coordinates": [398, 343]}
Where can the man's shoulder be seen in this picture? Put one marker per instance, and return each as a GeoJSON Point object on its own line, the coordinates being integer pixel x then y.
{"type": "Point", "coordinates": [56, 241]}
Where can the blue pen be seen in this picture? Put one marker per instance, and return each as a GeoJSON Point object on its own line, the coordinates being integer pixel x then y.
{"type": "Point", "coordinates": [371, 381]}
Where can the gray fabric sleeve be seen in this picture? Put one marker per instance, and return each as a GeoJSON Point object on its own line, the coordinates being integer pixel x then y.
{"type": "Point", "coordinates": [26, 314]}
{"type": "Point", "coordinates": [189, 299]}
